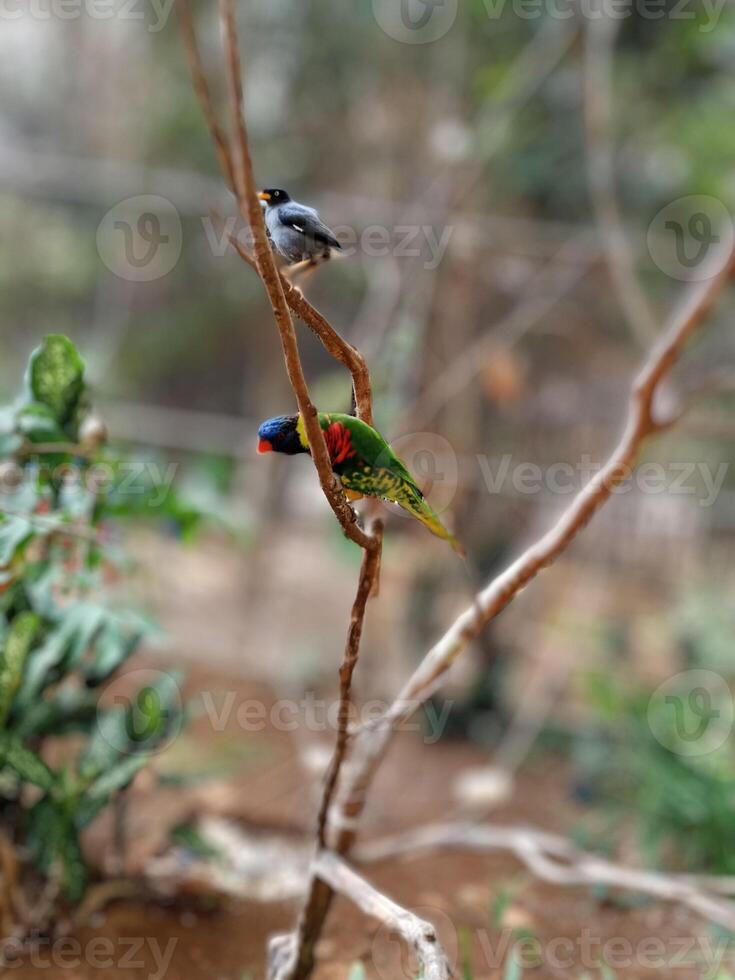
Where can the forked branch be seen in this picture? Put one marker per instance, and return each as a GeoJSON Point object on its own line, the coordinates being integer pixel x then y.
{"type": "Point", "coordinates": [417, 933]}
{"type": "Point", "coordinates": [334, 344]}
{"type": "Point", "coordinates": [370, 743]}
{"type": "Point", "coordinates": [294, 955]}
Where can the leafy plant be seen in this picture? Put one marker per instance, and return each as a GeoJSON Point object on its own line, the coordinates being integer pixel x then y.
{"type": "Point", "coordinates": [637, 764]}
{"type": "Point", "coordinates": [61, 636]}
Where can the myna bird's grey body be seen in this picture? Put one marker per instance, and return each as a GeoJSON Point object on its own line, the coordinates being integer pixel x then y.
{"type": "Point", "coordinates": [296, 230]}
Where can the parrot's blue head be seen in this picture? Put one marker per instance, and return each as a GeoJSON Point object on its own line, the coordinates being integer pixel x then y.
{"type": "Point", "coordinates": [280, 435]}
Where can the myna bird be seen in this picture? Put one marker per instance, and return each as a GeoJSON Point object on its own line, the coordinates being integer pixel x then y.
{"type": "Point", "coordinates": [361, 458]}
{"type": "Point", "coordinates": [297, 231]}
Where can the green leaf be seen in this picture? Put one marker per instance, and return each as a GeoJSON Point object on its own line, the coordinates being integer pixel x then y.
{"type": "Point", "coordinates": [37, 423]}
{"type": "Point", "coordinates": [26, 764]}
{"type": "Point", "coordinates": [68, 711]}
{"type": "Point", "coordinates": [56, 376]}
{"type": "Point", "coordinates": [10, 443]}
{"type": "Point", "coordinates": [15, 532]}
{"type": "Point", "coordinates": [17, 644]}
{"type": "Point", "coordinates": [137, 729]}
{"type": "Point", "coordinates": [189, 836]}
{"type": "Point", "coordinates": [62, 650]}
{"type": "Point", "coordinates": [112, 648]}
{"type": "Point", "coordinates": [117, 778]}
{"type": "Point", "coordinates": [54, 843]}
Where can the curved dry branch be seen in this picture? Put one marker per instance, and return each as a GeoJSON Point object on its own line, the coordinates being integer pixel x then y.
{"type": "Point", "coordinates": [419, 934]}
{"type": "Point", "coordinates": [553, 858]}
{"type": "Point", "coordinates": [641, 423]}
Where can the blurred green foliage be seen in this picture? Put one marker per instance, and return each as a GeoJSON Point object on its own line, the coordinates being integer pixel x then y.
{"type": "Point", "coordinates": [639, 765]}
{"type": "Point", "coordinates": [62, 638]}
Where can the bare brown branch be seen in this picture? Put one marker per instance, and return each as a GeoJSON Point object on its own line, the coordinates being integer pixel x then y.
{"type": "Point", "coordinates": [247, 197]}
{"type": "Point", "coordinates": [641, 423]}
{"type": "Point", "coordinates": [237, 167]}
{"type": "Point", "coordinates": [368, 577]}
{"type": "Point", "coordinates": [333, 343]}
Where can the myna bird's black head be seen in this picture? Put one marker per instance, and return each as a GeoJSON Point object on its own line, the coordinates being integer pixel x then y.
{"type": "Point", "coordinates": [273, 196]}
{"type": "Point", "coordinates": [280, 435]}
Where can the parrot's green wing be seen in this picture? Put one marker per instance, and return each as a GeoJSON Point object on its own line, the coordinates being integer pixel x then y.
{"type": "Point", "coordinates": [368, 443]}
{"type": "Point", "coordinates": [376, 471]}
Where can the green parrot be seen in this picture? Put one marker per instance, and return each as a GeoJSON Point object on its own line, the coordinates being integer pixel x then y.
{"type": "Point", "coordinates": [361, 458]}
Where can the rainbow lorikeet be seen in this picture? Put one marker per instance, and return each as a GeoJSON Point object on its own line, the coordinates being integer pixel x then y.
{"type": "Point", "coordinates": [361, 458]}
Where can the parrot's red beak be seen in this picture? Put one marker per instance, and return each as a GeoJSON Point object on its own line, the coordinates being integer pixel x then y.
{"type": "Point", "coordinates": [264, 446]}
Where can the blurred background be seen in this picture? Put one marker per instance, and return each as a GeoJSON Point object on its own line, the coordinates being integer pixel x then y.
{"type": "Point", "coordinates": [525, 192]}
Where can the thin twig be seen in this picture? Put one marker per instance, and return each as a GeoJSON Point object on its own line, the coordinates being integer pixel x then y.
{"type": "Point", "coordinates": [247, 197]}
{"type": "Point", "coordinates": [332, 342]}
{"type": "Point", "coordinates": [600, 35]}
{"type": "Point", "coordinates": [366, 584]}
{"type": "Point", "coordinates": [201, 88]}
{"type": "Point", "coordinates": [541, 293]}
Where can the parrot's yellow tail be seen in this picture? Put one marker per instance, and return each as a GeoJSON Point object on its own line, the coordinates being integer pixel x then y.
{"type": "Point", "coordinates": [412, 500]}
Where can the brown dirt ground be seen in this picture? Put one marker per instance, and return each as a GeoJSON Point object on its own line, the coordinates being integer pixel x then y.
{"type": "Point", "coordinates": [259, 781]}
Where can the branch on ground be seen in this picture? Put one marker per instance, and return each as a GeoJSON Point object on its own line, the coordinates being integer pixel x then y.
{"type": "Point", "coordinates": [552, 858]}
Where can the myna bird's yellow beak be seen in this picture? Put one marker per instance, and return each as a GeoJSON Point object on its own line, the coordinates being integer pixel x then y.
{"type": "Point", "coordinates": [263, 196]}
